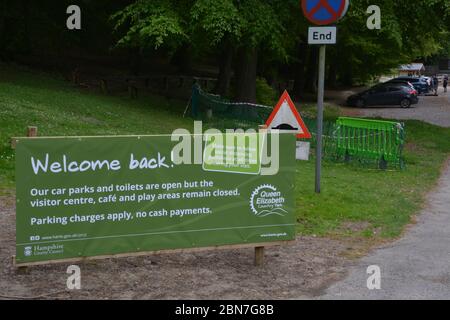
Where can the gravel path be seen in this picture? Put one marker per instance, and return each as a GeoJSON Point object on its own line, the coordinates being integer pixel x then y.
{"type": "Point", "coordinates": [415, 267]}
{"type": "Point", "coordinates": [431, 109]}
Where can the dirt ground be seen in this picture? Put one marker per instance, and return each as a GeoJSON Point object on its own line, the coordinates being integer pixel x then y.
{"type": "Point", "coordinates": [304, 269]}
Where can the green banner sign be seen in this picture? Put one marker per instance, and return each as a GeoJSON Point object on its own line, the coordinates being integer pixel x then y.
{"type": "Point", "coordinates": [93, 196]}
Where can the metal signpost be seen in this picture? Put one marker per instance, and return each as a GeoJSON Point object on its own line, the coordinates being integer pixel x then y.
{"type": "Point", "coordinates": [322, 12]}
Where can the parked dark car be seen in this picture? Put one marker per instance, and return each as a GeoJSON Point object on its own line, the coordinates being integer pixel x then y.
{"type": "Point", "coordinates": [420, 83]}
{"type": "Point", "coordinates": [385, 94]}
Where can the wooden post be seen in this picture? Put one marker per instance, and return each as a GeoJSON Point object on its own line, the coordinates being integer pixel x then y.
{"type": "Point", "coordinates": [166, 84]}
{"type": "Point", "coordinates": [104, 86]}
{"type": "Point", "coordinates": [13, 143]}
{"type": "Point", "coordinates": [132, 90]}
{"type": "Point", "coordinates": [32, 132]}
{"type": "Point", "coordinates": [181, 82]}
{"type": "Point", "coordinates": [76, 76]}
{"type": "Point", "coordinates": [259, 256]}
{"type": "Point", "coordinates": [19, 269]}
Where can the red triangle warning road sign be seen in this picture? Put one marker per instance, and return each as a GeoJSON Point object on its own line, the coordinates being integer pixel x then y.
{"type": "Point", "coordinates": [286, 117]}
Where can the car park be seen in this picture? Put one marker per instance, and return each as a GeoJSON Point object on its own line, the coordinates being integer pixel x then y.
{"type": "Point", "coordinates": [395, 94]}
{"type": "Point", "coordinates": [421, 84]}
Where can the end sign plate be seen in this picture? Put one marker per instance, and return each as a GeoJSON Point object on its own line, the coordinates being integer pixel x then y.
{"type": "Point", "coordinates": [322, 35]}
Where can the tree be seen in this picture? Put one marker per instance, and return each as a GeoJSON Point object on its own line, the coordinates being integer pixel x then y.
{"type": "Point", "coordinates": [151, 23]}
{"type": "Point", "coordinates": [238, 28]}
{"type": "Point", "coordinates": [261, 29]}
{"type": "Point", "coordinates": [408, 32]}
{"type": "Point", "coordinates": [217, 24]}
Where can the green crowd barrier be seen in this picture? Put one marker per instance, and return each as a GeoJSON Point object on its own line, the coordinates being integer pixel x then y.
{"type": "Point", "coordinates": [377, 140]}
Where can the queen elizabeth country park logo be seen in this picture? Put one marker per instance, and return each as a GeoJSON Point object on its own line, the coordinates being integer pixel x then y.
{"type": "Point", "coordinates": [266, 200]}
{"type": "Point", "coordinates": [28, 251]}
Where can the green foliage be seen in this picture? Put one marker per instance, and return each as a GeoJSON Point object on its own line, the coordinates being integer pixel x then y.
{"type": "Point", "coordinates": [262, 25]}
{"type": "Point", "coordinates": [409, 31]}
{"type": "Point", "coordinates": [57, 109]}
{"type": "Point", "coordinates": [265, 94]}
{"type": "Point", "coordinates": [150, 23]}
{"type": "Point", "coordinates": [156, 23]}
{"type": "Point", "coordinates": [217, 18]}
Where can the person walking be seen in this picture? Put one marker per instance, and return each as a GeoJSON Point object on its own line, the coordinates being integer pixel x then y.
{"type": "Point", "coordinates": [445, 83]}
{"type": "Point", "coordinates": [435, 84]}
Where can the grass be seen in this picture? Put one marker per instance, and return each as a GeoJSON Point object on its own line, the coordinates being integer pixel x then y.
{"type": "Point", "coordinates": [59, 109]}
{"type": "Point", "coordinates": [331, 112]}
{"type": "Point", "coordinates": [355, 201]}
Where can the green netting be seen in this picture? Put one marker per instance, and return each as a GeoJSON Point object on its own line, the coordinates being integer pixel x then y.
{"type": "Point", "coordinates": [220, 113]}
{"type": "Point", "coordinates": [328, 139]}
{"type": "Point", "coordinates": [369, 142]}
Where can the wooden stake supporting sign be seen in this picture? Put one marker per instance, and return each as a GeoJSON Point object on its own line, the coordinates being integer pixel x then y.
{"type": "Point", "coordinates": [259, 256]}
{"type": "Point", "coordinates": [32, 132]}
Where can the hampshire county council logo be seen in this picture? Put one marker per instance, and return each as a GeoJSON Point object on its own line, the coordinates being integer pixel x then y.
{"type": "Point", "coordinates": [266, 200]}
{"type": "Point", "coordinates": [28, 251]}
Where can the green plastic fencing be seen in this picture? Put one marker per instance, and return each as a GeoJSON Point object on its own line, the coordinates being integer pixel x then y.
{"type": "Point", "coordinates": [220, 113]}
{"type": "Point", "coordinates": [328, 138]}
{"type": "Point", "coordinates": [370, 142]}
{"type": "Point", "coordinates": [381, 141]}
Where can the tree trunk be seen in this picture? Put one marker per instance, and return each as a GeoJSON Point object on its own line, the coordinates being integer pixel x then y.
{"type": "Point", "coordinates": [2, 28]}
{"type": "Point", "coordinates": [312, 70]}
{"type": "Point", "coordinates": [247, 61]}
{"type": "Point", "coordinates": [26, 26]}
{"type": "Point", "coordinates": [135, 55]}
{"type": "Point", "coordinates": [332, 75]}
{"type": "Point", "coordinates": [182, 59]}
{"type": "Point", "coordinates": [299, 78]}
{"type": "Point", "coordinates": [347, 76]}
{"type": "Point", "coordinates": [225, 64]}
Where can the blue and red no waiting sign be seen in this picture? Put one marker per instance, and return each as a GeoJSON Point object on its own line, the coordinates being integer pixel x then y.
{"type": "Point", "coordinates": [323, 12]}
